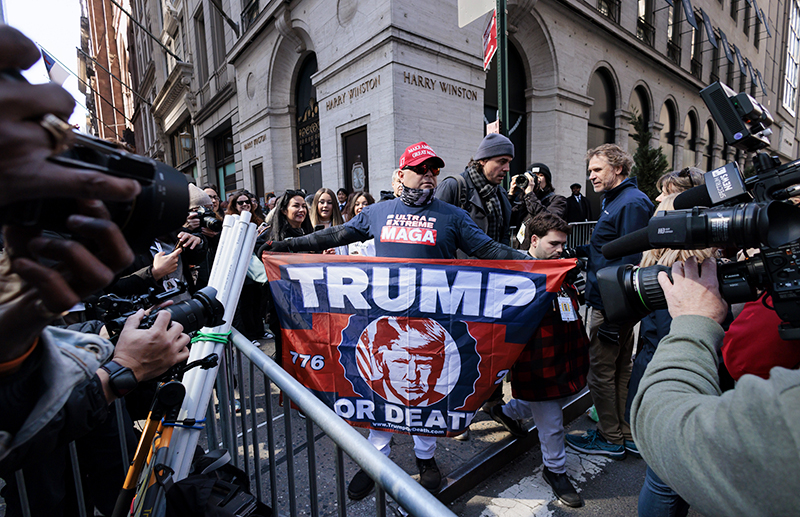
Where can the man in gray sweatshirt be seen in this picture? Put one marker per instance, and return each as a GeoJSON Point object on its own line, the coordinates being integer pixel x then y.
{"type": "Point", "coordinates": [726, 454]}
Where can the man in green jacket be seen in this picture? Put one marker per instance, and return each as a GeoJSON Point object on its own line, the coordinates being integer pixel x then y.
{"type": "Point", "coordinates": [726, 454]}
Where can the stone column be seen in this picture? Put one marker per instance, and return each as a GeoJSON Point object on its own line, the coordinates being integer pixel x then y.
{"type": "Point", "coordinates": [622, 123]}
{"type": "Point", "coordinates": [716, 156]}
{"type": "Point", "coordinates": [699, 154]}
{"type": "Point", "coordinates": [655, 130]}
{"type": "Point", "coordinates": [680, 142]}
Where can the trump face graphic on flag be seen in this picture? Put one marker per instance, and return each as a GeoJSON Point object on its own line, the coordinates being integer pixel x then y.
{"type": "Point", "coordinates": [408, 361]}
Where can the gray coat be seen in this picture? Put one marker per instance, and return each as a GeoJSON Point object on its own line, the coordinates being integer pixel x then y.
{"type": "Point", "coordinates": [448, 191]}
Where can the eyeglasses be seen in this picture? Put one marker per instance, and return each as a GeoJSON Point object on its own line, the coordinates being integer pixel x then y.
{"type": "Point", "coordinates": [299, 192]}
{"type": "Point", "coordinates": [423, 169]}
{"type": "Point", "coordinates": [213, 196]}
{"type": "Point", "coordinates": [240, 203]}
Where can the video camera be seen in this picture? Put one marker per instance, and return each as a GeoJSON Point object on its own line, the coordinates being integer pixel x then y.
{"type": "Point", "coordinates": [741, 213]}
{"type": "Point", "coordinates": [160, 208]}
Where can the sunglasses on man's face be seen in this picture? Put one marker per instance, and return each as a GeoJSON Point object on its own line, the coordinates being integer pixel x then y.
{"type": "Point", "coordinates": [423, 169]}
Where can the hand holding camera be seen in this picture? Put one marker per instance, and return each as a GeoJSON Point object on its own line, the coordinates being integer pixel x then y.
{"type": "Point", "coordinates": [694, 290]}
{"type": "Point", "coordinates": [26, 144]}
{"type": "Point", "coordinates": [42, 276]}
{"type": "Point", "coordinates": [523, 183]}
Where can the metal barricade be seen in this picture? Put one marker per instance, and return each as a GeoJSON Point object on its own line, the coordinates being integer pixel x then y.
{"type": "Point", "coordinates": [283, 466]}
{"type": "Point", "coordinates": [581, 233]}
{"type": "Point", "coordinates": [280, 459]}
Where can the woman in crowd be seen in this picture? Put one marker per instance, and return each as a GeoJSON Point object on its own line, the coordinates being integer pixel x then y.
{"type": "Point", "coordinates": [248, 318]}
{"type": "Point", "coordinates": [360, 199]}
{"type": "Point", "coordinates": [290, 220]}
{"type": "Point", "coordinates": [325, 213]}
{"type": "Point", "coordinates": [243, 201]}
{"type": "Point", "coordinates": [656, 497]}
{"type": "Point", "coordinates": [213, 193]}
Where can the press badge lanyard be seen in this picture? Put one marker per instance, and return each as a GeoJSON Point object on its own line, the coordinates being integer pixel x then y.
{"type": "Point", "coordinates": [565, 306]}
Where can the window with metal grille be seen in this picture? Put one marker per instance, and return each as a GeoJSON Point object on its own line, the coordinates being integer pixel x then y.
{"type": "Point", "coordinates": [792, 59]}
{"type": "Point", "coordinates": [674, 33]}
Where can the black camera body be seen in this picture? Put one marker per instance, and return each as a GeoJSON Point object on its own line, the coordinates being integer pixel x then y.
{"type": "Point", "coordinates": [202, 310]}
{"type": "Point", "coordinates": [630, 293]}
{"type": "Point", "coordinates": [208, 219]}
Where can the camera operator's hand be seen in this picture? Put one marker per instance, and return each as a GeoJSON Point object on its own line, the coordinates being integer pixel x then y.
{"type": "Point", "coordinates": [693, 290]}
{"type": "Point", "coordinates": [25, 145]}
{"type": "Point", "coordinates": [163, 264]}
{"type": "Point", "coordinates": [33, 294]}
{"type": "Point", "coordinates": [208, 233]}
{"type": "Point", "coordinates": [188, 241]}
{"type": "Point", "coordinates": [151, 352]}
{"type": "Point", "coordinates": [192, 222]}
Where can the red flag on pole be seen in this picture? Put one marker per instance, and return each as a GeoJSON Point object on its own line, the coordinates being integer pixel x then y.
{"type": "Point", "coordinates": [490, 41]}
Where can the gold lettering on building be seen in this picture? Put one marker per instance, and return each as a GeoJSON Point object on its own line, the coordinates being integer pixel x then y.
{"type": "Point", "coordinates": [255, 141]}
{"type": "Point", "coordinates": [353, 93]}
{"type": "Point", "coordinates": [429, 83]}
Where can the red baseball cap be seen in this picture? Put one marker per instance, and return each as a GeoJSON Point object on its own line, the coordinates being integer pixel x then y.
{"type": "Point", "coordinates": [418, 153]}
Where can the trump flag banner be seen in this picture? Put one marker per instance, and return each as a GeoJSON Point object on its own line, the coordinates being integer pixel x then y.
{"type": "Point", "coordinates": [407, 347]}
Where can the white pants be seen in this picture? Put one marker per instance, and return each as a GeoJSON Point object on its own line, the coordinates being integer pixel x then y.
{"type": "Point", "coordinates": [424, 446]}
{"type": "Point", "coordinates": [549, 419]}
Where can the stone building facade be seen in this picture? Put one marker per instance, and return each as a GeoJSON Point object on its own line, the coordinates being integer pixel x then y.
{"type": "Point", "coordinates": [308, 93]}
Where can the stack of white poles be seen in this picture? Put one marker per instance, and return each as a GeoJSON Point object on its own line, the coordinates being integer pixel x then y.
{"type": "Point", "coordinates": [227, 276]}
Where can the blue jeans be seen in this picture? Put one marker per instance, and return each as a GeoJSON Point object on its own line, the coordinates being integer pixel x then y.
{"type": "Point", "coordinates": [658, 500]}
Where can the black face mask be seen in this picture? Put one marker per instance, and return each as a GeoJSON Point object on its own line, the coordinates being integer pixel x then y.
{"type": "Point", "coordinates": [416, 196]}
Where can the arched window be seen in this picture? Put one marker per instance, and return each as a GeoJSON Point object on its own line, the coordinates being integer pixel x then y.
{"type": "Point", "coordinates": [639, 105]}
{"type": "Point", "coordinates": [517, 126]}
{"type": "Point", "coordinates": [690, 145]}
{"type": "Point", "coordinates": [309, 163]}
{"type": "Point", "coordinates": [710, 137]}
{"type": "Point", "coordinates": [307, 112]}
{"type": "Point", "coordinates": [667, 118]}
{"type": "Point", "coordinates": [601, 114]}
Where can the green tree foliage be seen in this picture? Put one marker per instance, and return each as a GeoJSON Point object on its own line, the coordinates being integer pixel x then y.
{"type": "Point", "coordinates": [648, 163]}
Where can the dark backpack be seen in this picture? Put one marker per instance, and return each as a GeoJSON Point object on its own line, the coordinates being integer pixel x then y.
{"type": "Point", "coordinates": [462, 190]}
{"type": "Point", "coordinates": [214, 488]}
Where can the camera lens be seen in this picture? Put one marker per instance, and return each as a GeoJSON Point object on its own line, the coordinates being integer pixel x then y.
{"type": "Point", "coordinates": [630, 293]}
{"type": "Point", "coordinates": [203, 310]}
{"type": "Point", "coordinates": [645, 284]}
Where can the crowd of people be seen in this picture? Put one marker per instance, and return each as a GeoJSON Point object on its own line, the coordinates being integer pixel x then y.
{"type": "Point", "coordinates": [724, 443]}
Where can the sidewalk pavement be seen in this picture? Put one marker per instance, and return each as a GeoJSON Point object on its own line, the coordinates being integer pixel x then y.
{"type": "Point", "coordinates": [608, 487]}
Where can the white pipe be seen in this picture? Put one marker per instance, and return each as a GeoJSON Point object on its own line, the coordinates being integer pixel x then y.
{"type": "Point", "coordinates": [228, 273]}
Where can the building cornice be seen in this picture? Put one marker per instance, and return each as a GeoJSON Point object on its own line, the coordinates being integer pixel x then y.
{"type": "Point", "coordinates": [177, 85]}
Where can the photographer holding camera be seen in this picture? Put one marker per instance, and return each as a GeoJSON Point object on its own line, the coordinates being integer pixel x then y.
{"type": "Point", "coordinates": [726, 454]}
{"type": "Point", "coordinates": [530, 194]}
